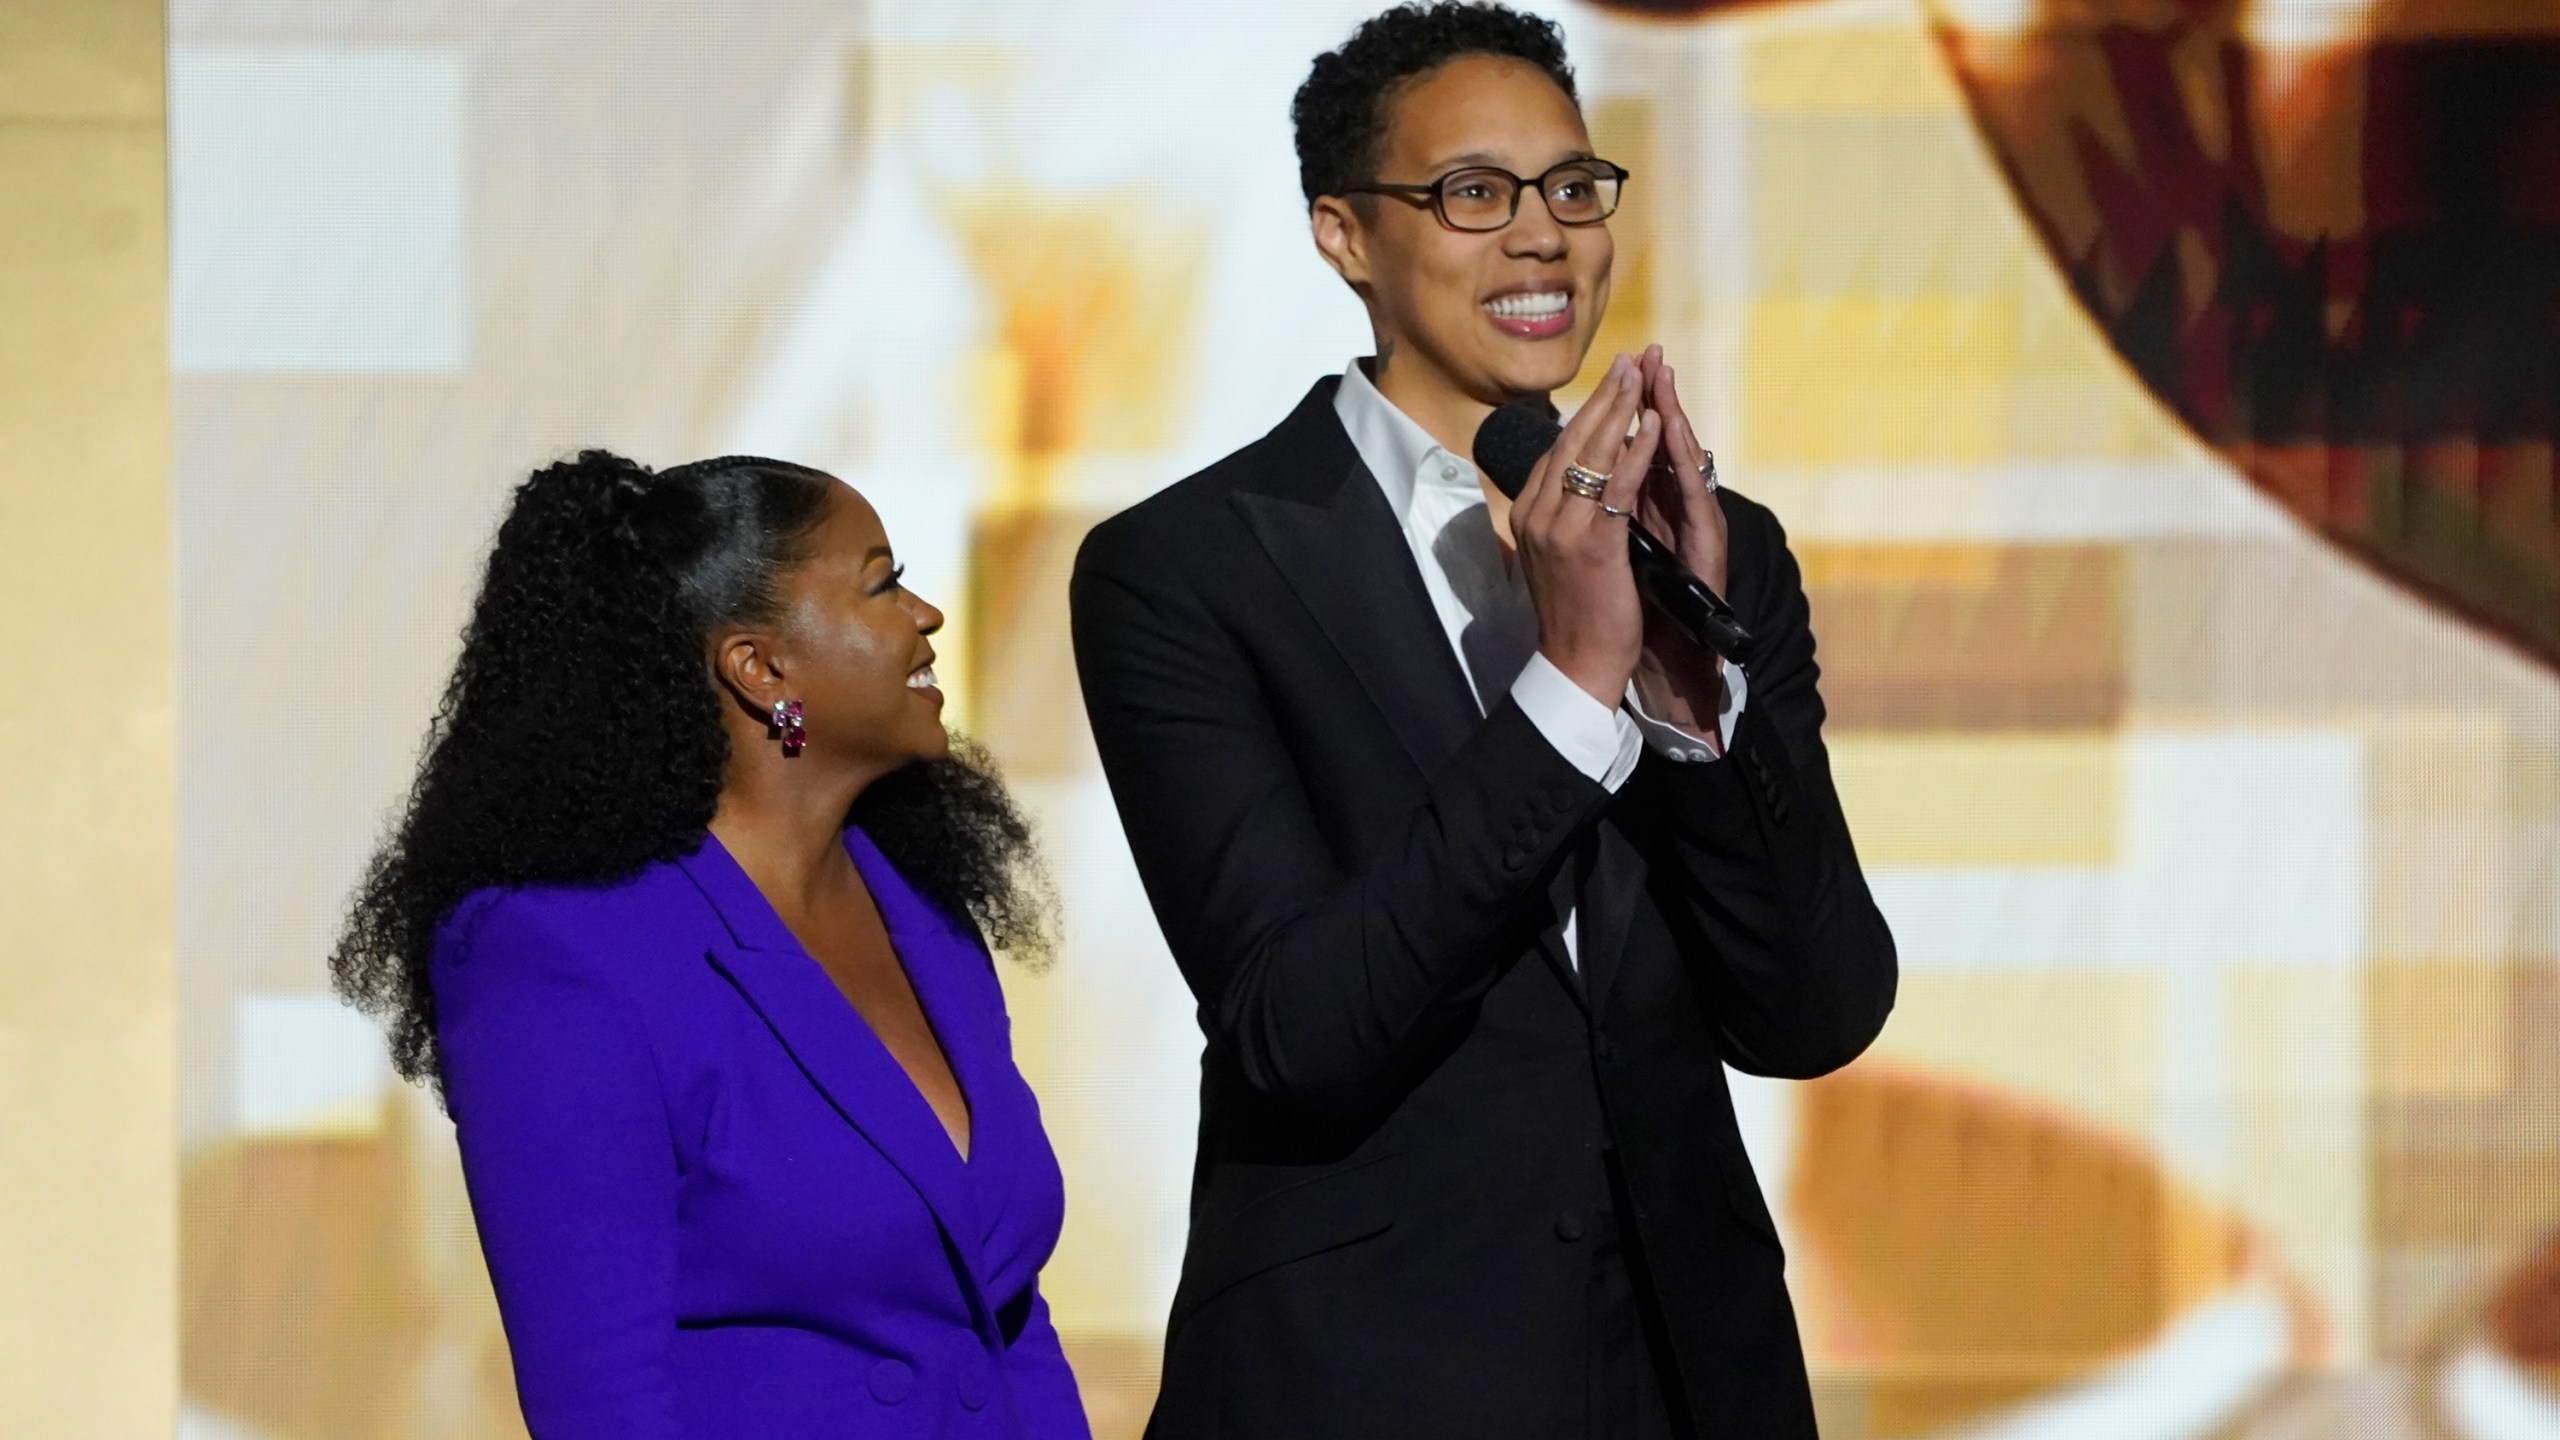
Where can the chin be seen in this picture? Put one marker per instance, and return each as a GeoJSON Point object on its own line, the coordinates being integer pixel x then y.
{"type": "Point", "coordinates": [936, 746]}
{"type": "Point", "coordinates": [1538, 374]}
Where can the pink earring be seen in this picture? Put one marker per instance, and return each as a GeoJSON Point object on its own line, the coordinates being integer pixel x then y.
{"type": "Point", "coordinates": [787, 719]}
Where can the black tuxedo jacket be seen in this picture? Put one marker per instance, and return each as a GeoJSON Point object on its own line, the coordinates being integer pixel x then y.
{"type": "Point", "coordinates": [1408, 1091]}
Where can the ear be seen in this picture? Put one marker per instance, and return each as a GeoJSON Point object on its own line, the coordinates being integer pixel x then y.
{"type": "Point", "coordinates": [748, 665]}
{"type": "Point", "coordinates": [1341, 238]}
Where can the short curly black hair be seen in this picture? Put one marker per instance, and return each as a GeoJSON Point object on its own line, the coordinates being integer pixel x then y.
{"type": "Point", "coordinates": [1342, 110]}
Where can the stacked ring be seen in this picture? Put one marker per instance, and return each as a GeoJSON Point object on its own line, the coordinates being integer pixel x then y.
{"type": "Point", "coordinates": [1708, 473]}
{"type": "Point", "coordinates": [1588, 483]}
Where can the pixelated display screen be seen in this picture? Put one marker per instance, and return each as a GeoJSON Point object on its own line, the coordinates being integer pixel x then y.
{"type": "Point", "coordinates": [2160, 397]}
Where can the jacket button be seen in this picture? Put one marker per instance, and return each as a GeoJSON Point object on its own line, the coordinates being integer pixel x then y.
{"type": "Point", "coordinates": [1559, 799]}
{"type": "Point", "coordinates": [1514, 858]}
{"type": "Point", "coordinates": [1607, 1049]}
{"type": "Point", "coordinates": [892, 1381]}
{"type": "Point", "coordinates": [977, 1381]}
{"type": "Point", "coordinates": [1568, 1227]}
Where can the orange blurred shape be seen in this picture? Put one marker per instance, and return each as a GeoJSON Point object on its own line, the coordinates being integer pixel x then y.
{"type": "Point", "coordinates": [1022, 671]}
{"type": "Point", "coordinates": [1968, 637]}
{"type": "Point", "coordinates": [297, 1294]}
{"type": "Point", "coordinates": [1096, 302]}
{"type": "Point", "coordinates": [305, 1309]}
{"type": "Point", "coordinates": [1963, 1250]}
{"type": "Point", "coordinates": [2524, 1316]}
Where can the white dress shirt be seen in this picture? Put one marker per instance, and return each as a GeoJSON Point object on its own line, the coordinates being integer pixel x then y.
{"type": "Point", "coordinates": [1484, 607]}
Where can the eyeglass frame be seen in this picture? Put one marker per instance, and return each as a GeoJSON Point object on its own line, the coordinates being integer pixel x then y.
{"type": "Point", "coordinates": [1434, 194]}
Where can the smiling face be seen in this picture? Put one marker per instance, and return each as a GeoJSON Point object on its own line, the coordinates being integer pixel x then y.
{"type": "Point", "coordinates": [1464, 320]}
{"type": "Point", "coordinates": [851, 645]}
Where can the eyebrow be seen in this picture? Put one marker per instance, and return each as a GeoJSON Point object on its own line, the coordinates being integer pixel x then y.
{"type": "Point", "coordinates": [1479, 157]}
{"type": "Point", "coordinates": [876, 552]}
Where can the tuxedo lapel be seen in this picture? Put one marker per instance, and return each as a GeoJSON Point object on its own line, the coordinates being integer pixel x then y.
{"type": "Point", "coordinates": [1614, 885]}
{"type": "Point", "coordinates": [1562, 893]}
{"type": "Point", "coordinates": [1327, 526]}
{"type": "Point", "coordinates": [839, 1053]}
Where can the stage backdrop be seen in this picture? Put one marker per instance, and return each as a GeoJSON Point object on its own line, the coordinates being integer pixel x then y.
{"type": "Point", "coordinates": [2159, 395]}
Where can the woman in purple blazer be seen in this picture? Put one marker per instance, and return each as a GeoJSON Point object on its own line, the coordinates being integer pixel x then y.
{"type": "Point", "coordinates": [685, 918]}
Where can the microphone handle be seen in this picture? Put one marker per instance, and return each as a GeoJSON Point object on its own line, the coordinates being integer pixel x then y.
{"type": "Point", "coordinates": [1683, 598]}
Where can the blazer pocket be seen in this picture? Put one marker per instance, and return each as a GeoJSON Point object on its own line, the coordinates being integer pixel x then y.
{"type": "Point", "coordinates": [1309, 1217]}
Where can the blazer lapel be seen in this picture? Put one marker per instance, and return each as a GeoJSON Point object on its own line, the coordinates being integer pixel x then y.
{"type": "Point", "coordinates": [1328, 528]}
{"type": "Point", "coordinates": [1563, 894]}
{"type": "Point", "coordinates": [956, 985]}
{"type": "Point", "coordinates": [839, 1053]}
{"type": "Point", "coordinates": [1609, 896]}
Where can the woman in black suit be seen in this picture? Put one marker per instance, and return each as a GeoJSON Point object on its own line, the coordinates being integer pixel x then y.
{"type": "Point", "coordinates": [1479, 886]}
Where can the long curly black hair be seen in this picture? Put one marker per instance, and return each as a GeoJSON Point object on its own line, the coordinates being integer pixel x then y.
{"type": "Point", "coordinates": [580, 738]}
{"type": "Point", "coordinates": [1342, 110]}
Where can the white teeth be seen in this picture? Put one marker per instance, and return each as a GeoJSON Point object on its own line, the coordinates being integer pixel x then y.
{"type": "Point", "coordinates": [921, 680]}
{"type": "Point", "coordinates": [1530, 305]}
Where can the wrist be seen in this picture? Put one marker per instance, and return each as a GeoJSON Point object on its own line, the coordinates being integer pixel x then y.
{"type": "Point", "coordinates": [1598, 679]}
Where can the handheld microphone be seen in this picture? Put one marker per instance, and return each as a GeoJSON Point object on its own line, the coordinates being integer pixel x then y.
{"type": "Point", "coordinates": [1508, 446]}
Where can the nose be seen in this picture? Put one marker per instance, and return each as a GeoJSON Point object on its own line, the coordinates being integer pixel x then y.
{"type": "Point", "coordinates": [928, 617]}
{"type": "Point", "coordinates": [1534, 232]}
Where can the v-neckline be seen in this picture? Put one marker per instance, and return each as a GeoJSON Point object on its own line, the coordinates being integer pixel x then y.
{"type": "Point", "coordinates": [896, 904]}
{"type": "Point", "coordinates": [889, 894]}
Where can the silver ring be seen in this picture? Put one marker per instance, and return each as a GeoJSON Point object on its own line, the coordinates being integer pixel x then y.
{"type": "Point", "coordinates": [1707, 473]}
{"type": "Point", "coordinates": [1608, 509]}
{"type": "Point", "coordinates": [1587, 483]}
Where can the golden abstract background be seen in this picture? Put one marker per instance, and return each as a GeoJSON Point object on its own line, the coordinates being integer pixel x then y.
{"type": "Point", "coordinates": [2222, 842]}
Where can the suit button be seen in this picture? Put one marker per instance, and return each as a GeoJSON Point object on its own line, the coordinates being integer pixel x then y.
{"type": "Point", "coordinates": [1559, 799]}
{"type": "Point", "coordinates": [1568, 1227]}
{"type": "Point", "coordinates": [892, 1381]}
{"type": "Point", "coordinates": [1607, 1049]}
{"type": "Point", "coordinates": [977, 1381]}
{"type": "Point", "coordinates": [1514, 858]}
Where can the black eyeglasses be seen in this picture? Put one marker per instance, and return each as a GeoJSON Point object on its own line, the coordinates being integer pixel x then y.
{"type": "Point", "coordinates": [1486, 197]}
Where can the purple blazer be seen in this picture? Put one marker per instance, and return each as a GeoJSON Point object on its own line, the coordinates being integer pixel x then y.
{"type": "Point", "coordinates": [713, 1205]}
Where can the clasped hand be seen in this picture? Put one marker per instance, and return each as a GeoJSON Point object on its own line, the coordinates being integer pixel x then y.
{"type": "Point", "coordinates": [1573, 550]}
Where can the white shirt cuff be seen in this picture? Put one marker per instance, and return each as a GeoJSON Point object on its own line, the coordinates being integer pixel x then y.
{"type": "Point", "coordinates": [1600, 740]}
{"type": "Point", "coordinates": [1673, 743]}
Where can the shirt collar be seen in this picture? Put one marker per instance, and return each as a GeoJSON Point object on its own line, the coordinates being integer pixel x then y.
{"type": "Point", "coordinates": [1396, 450]}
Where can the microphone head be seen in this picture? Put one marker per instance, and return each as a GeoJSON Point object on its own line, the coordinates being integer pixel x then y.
{"type": "Point", "coordinates": [1511, 440]}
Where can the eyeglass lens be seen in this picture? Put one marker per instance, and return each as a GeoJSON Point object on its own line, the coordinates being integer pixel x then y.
{"type": "Point", "coordinates": [1485, 199]}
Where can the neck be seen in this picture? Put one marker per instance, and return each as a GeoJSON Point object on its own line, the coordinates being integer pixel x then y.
{"type": "Point", "coordinates": [1429, 397]}
{"type": "Point", "coordinates": [783, 821]}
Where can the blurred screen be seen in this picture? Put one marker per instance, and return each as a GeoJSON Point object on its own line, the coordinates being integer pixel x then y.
{"type": "Point", "coordinates": [2189, 626]}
